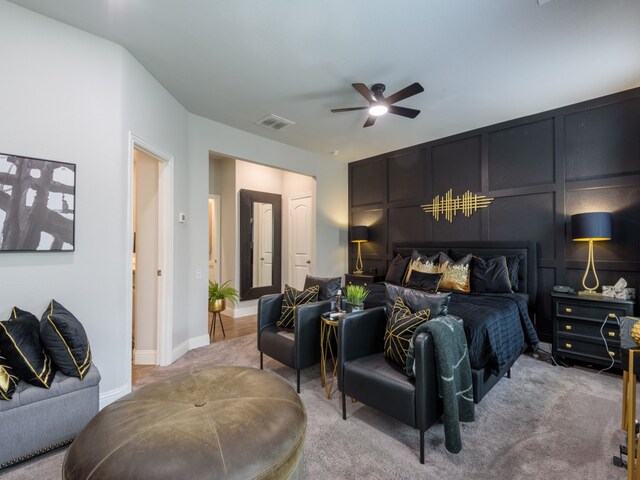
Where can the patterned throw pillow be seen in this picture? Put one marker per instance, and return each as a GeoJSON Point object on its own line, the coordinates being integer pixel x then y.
{"type": "Point", "coordinates": [291, 299]}
{"type": "Point", "coordinates": [400, 328]}
{"type": "Point", "coordinates": [422, 263]}
{"type": "Point", "coordinates": [65, 340]}
{"type": "Point", "coordinates": [20, 344]}
{"type": "Point", "coordinates": [8, 381]}
{"type": "Point", "coordinates": [455, 275]}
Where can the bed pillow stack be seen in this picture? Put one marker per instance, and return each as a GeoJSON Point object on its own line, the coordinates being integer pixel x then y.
{"type": "Point", "coordinates": [32, 350]}
{"type": "Point", "coordinates": [457, 272]}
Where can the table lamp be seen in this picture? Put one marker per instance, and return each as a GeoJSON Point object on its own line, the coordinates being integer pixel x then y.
{"type": "Point", "coordinates": [590, 227]}
{"type": "Point", "coordinates": [359, 234]}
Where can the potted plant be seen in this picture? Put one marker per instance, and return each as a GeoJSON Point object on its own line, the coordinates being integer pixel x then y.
{"type": "Point", "coordinates": [355, 295]}
{"type": "Point", "coordinates": [220, 294]}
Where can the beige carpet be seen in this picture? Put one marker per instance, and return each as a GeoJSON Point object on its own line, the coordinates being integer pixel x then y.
{"type": "Point", "coordinates": [545, 422]}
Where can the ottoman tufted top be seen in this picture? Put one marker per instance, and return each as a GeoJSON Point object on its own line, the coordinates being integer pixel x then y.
{"type": "Point", "coordinates": [221, 422]}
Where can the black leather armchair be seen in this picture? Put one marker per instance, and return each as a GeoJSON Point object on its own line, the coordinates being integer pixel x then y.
{"type": "Point", "coordinates": [365, 374]}
{"type": "Point", "coordinates": [297, 348]}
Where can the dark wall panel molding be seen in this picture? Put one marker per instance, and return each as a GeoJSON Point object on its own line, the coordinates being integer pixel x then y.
{"type": "Point", "coordinates": [541, 169]}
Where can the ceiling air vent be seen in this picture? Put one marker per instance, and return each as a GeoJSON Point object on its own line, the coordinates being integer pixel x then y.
{"type": "Point", "coordinates": [274, 122]}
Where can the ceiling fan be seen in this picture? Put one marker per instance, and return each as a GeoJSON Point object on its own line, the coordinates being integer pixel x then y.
{"type": "Point", "coordinates": [379, 105]}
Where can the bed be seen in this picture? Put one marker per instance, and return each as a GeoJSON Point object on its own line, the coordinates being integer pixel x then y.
{"type": "Point", "coordinates": [498, 326]}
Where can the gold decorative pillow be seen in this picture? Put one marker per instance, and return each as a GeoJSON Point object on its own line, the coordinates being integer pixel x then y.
{"type": "Point", "coordinates": [422, 263]}
{"type": "Point", "coordinates": [8, 381]}
{"type": "Point", "coordinates": [291, 299]}
{"type": "Point", "coordinates": [455, 275]}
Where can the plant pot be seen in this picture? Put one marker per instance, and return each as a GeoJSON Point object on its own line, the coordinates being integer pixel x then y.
{"type": "Point", "coordinates": [355, 307]}
{"type": "Point", "coordinates": [217, 305]}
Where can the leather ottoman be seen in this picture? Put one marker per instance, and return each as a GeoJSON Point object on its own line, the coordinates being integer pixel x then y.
{"type": "Point", "coordinates": [221, 422]}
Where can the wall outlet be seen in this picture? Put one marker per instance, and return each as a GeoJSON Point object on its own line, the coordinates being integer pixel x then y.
{"type": "Point", "coordinates": [198, 274]}
{"type": "Point", "coordinates": [182, 217]}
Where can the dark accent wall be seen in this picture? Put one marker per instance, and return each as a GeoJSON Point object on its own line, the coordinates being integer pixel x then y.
{"type": "Point", "coordinates": [540, 169]}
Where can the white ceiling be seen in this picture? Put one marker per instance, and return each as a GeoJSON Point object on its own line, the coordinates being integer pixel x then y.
{"type": "Point", "coordinates": [480, 61]}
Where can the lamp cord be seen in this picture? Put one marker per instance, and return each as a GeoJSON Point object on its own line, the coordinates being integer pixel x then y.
{"type": "Point", "coordinates": [606, 345]}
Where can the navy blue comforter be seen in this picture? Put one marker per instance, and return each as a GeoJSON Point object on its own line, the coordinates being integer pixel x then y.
{"type": "Point", "coordinates": [497, 326]}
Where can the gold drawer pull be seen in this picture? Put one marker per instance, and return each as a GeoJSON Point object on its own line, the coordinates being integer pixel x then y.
{"type": "Point", "coordinates": [612, 334]}
{"type": "Point", "coordinates": [612, 315]}
{"type": "Point", "coordinates": [567, 309]}
{"type": "Point", "coordinates": [568, 327]}
{"type": "Point", "coordinates": [612, 354]}
{"type": "Point", "coordinates": [568, 345]}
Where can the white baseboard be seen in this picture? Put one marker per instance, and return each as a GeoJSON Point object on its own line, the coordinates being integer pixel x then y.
{"type": "Point", "coordinates": [190, 344]}
{"type": "Point", "coordinates": [237, 312]}
{"type": "Point", "coordinates": [197, 342]}
{"type": "Point", "coordinates": [180, 350]}
{"type": "Point", "coordinates": [112, 395]}
{"type": "Point", "coordinates": [145, 357]}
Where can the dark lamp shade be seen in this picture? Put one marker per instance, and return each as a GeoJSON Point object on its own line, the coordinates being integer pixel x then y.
{"type": "Point", "coordinates": [593, 226]}
{"type": "Point", "coordinates": [359, 233]}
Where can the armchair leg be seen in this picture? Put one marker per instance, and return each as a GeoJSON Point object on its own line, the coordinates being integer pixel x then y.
{"type": "Point", "coordinates": [261, 364]}
{"type": "Point", "coordinates": [298, 380]}
{"type": "Point", "coordinates": [422, 447]}
{"type": "Point", "coordinates": [509, 373]}
{"type": "Point", "coordinates": [344, 406]}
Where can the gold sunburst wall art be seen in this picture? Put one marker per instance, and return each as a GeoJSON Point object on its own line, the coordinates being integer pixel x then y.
{"type": "Point", "coordinates": [448, 206]}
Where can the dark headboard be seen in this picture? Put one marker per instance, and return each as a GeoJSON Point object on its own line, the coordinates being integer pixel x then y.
{"type": "Point", "coordinates": [527, 276]}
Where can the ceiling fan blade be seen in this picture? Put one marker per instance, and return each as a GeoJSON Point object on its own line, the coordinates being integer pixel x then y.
{"type": "Point", "coordinates": [404, 112]}
{"type": "Point", "coordinates": [406, 92]}
{"type": "Point", "coordinates": [364, 91]}
{"type": "Point", "coordinates": [370, 121]}
{"type": "Point", "coordinates": [351, 109]}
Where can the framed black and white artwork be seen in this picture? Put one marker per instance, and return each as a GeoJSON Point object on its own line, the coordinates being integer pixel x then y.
{"type": "Point", "coordinates": [37, 204]}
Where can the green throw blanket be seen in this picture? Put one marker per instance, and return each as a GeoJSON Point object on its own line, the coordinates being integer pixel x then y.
{"type": "Point", "coordinates": [454, 374]}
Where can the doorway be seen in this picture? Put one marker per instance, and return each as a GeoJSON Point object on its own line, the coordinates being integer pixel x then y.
{"type": "Point", "coordinates": [149, 259]}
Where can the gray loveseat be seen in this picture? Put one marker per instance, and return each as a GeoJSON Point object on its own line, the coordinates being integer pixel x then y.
{"type": "Point", "coordinates": [37, 420]}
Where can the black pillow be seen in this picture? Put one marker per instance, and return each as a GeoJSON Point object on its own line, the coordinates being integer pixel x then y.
{"type": "Point", "coordinates": [20, 345]}
{"type": "Point", "coordinates": [422, 263]}
{"type": "Point", "coordinates": [513, 266]}
{"type": "Point", "coordinates": [416, 300]}
{"type": "Point", "coordinates": [397, 269]}
{"type": "Point", "coordinates": [490, 276]}
{"type": "Point", "coordinates": [291, 299]}
{"type": "Point", "coordinates": [455, 274]}
{"type": "Point", "coordinates": [8, 381]}
{"type": "Point", "coordinates": [400, 327]}
{"type": "Point", "coordinates": [328, 287]}
{"type": "Point", "coordinates": [428, 282]}
{"type": "Point", "coordinates": [65, 340]}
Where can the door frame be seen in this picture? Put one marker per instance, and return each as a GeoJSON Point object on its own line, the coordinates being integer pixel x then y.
{"type": "Point", "coordinates": [164, 342]}
{"type": "Point", "coordinates": [312, 235]}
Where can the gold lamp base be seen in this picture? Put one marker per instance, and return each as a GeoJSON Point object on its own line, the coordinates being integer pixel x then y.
{"type": "Point", "coordinates": [589, 293]}
{"type": "Point", "coordinates": [358, 270]}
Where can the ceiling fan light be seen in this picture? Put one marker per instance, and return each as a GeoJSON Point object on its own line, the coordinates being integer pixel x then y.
{"type": "Point", "coordinates": [378, 109]}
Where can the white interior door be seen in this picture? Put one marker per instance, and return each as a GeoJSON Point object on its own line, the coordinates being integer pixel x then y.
{"type": "Point", "coordinates": [214, 238]}
{"type": "Point", "coordinates": [301, 239]}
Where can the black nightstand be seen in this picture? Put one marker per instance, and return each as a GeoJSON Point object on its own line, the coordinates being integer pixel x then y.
{"type": "Point", "coordinates": [362, 279]}
{"type": "Point", "coordinates": [576, 327]}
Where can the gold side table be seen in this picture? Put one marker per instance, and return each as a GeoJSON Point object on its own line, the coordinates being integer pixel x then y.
{"type": "Point", "coordinates": [631, 368]}
{"type": "Point", "coordinates": [328, 346]}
